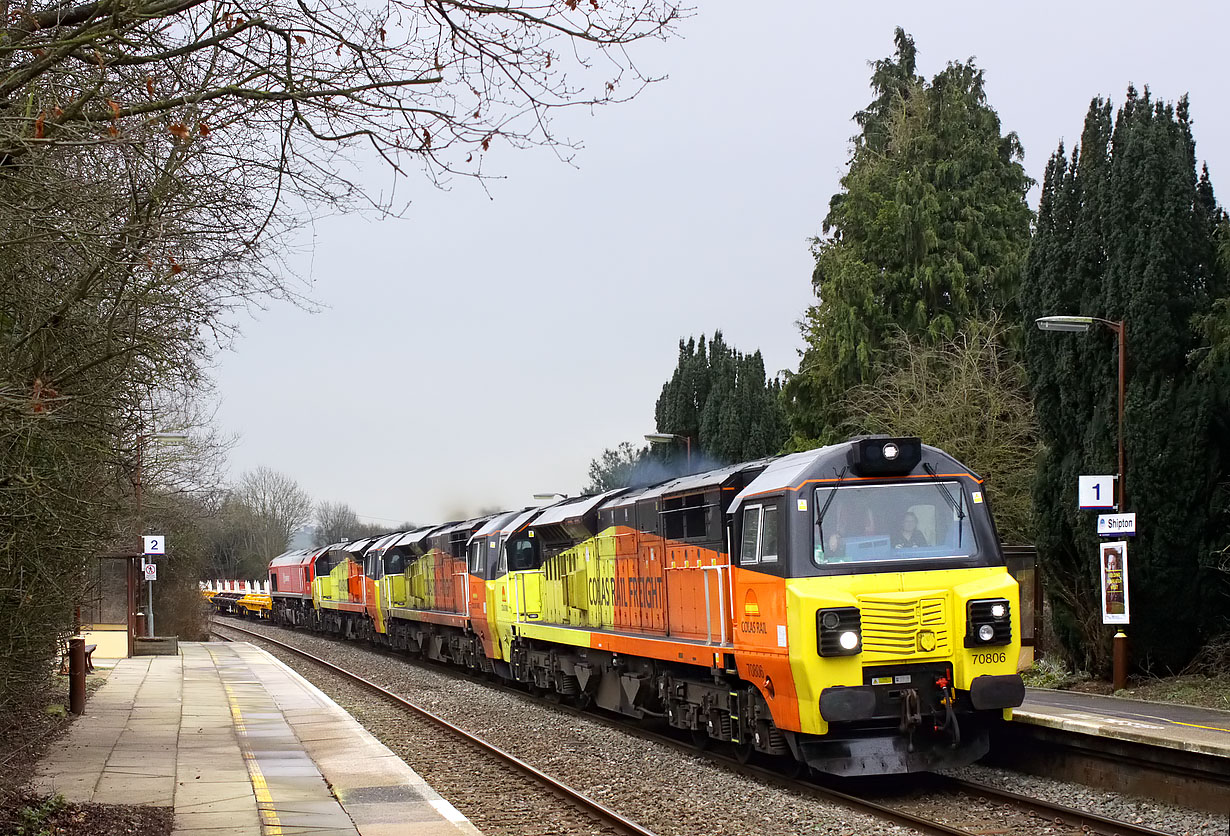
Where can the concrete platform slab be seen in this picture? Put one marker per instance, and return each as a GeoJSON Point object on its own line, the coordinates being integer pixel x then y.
{"type": "Point", "coordinates": [1188, 728]}
{"type": "Point", "coordinates": [238, 743]}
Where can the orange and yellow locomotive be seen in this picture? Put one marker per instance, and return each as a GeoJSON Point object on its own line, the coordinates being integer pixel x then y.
{"type": "Point", "coordinates": [846, 607]}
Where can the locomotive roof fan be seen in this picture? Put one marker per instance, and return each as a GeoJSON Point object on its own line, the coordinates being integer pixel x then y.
{"type": "Point", "coordinates": [882, 455]}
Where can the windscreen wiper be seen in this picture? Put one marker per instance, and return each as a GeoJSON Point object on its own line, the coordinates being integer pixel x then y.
{"type": "Point", "coordinates": [952, 503]}
{"type": "Point", "coordinates": [827, 502]}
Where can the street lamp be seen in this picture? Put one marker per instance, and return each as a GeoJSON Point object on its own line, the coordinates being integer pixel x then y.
{"type": "Point", "coordinates": [666, 438]}
{"type": "Point", "coordinates": [546, 497]}
{"type": "Point", "coordinates": [1084, 323]}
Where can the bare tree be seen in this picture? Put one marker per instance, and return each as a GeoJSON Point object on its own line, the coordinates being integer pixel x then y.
{"type": "Point", "coordinates": [334, 521]}
{"type": "Point", "coordinates": [278, 505]}
{"type": "Point", "coordinates": [414, 80]}
{"type": "Point", "coordinates": [337, 521]}
{"type": "Point", "coordinates": [155, 154]}
{"type": "Point", "coordinates": [966, 395]}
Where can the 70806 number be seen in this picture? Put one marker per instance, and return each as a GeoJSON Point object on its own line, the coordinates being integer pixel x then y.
{"type": "Point", "coordinates": [989, 658]}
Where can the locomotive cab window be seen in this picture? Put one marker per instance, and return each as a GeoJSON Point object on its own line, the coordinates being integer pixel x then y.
{"type": "Point", "coordinates": [751, 535]}
{"type": "Point", "coordinates": [522, 555]}
{"type": "Point", "coordinates": [920, 521]}
{"type": "Point", "coordinates": [394, 562]}
{"type": "Point", "coordinates": [759, 541]}
{"type": "Point", "coordinates": [476, 557]}
{"type": "Point", "coordinates": [324, 565]}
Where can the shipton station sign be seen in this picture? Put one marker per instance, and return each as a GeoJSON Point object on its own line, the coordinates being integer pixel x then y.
{"type": "Point", "coordinates": [1113, 525]}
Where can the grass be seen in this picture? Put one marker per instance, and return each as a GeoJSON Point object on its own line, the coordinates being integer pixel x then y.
{"type": "Point", "coordinates": [1204, 691]}
{"type": "Point", "coordinates": [1198, 690]}
{"type": "Point", "coordinates": [1049, 672]}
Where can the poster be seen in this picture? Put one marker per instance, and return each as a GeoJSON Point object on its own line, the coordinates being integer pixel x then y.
{"type": "Point", "coordinates": [1113, 560]}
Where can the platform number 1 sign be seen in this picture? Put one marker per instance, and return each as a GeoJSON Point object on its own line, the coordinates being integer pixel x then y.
{"type": "Point", "coordinates": [1095, 491]}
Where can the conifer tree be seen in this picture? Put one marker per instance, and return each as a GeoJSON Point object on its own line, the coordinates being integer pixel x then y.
{"type": "Point", "coordinates": [1127, 231]}
{"type": "Point", "coordinates": [720, 399]}
{"type": "Point", "coordinates": [930, 228]}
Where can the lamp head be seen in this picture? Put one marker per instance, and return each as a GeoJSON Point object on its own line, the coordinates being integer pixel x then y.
{"type": "Point", "coordinates": [1064, 323]}
{"type": "Point", "coordinates": [661, 438]}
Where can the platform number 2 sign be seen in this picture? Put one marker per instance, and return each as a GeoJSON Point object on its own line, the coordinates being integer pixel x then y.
{"type": "Point", "coordinates": [155, 544]}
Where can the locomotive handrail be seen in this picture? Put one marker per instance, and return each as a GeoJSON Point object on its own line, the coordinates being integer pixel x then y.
{"type": "Point", "coordinates": [466, 590]}
{"type": "Point", "coordinates": [721, 603]}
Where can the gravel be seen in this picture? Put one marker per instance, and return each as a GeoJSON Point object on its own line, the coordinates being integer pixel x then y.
{"type": "Point", "coordinates": [690, 794]}
{"type": "Point", "coordinates": [1181, 821]}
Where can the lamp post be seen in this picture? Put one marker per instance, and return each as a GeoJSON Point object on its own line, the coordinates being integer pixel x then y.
{"type": "Point", "coordinates": [664, 438]}
{"type": "Point", "coordinates": [1080, 324]}
{"type": "Point", "coordinates": [547, 497]}
{"type": "Point", "coordinates": [138, 490]}
{"type": "Point", "coordinates": [1084, 323]}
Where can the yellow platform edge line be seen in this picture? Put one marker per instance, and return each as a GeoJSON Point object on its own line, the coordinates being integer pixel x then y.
{"type": "Point", "coordinates": [271, 825]}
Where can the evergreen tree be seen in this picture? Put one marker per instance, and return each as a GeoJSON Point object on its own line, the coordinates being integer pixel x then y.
{"type": "Point", "coordinates": [1127, 231]}
{"type": "Point", "coordinates": [720, 399]}
{"type": "Point", "coordinates": [929, 230]}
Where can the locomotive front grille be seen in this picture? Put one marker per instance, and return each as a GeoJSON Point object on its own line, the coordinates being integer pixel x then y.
{"type": "Point", "coordinates": [897, 628]}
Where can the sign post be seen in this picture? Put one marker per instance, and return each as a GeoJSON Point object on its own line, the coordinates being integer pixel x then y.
{"type": "Point", "coordinates": [154, 544]}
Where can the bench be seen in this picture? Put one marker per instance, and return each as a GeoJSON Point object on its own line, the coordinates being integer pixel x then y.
{"type": "Point", "coordinates": [89, 659]}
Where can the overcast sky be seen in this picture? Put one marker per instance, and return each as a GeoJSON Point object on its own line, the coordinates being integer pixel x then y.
{"type": "Point", "coordinates": [484, 348]}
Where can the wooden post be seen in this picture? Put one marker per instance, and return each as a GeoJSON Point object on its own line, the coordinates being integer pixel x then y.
{"type": "Point", "coordinates": [1121, 660]}
{"type": "Point", "coordinates": [132, 604]}
{"type": "Point", "coordinates": [76, 674]}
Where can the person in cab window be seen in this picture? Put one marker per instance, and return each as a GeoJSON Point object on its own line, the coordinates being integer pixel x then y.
{"type": "Point", "coordinates": [855, 522]}
{"type": "Point", "coordinates": [909, 537]}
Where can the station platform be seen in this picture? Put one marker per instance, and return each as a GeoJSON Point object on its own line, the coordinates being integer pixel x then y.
{"type": "Point", "coordinates": [238, 743]}
{"type": "Point", "coordinates": [1204, 731]}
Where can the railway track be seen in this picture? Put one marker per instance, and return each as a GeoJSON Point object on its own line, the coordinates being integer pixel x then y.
{"type": "Point", "coordinates": [1045, 813]}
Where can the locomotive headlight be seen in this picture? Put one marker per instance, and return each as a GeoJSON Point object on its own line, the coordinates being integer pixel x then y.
{"type": "Point", "coordinates": [839, 631]}
{"type": "Point", "coordinates": [988, 622]}
{"type": "Point", "coordinates": [891, 451]}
